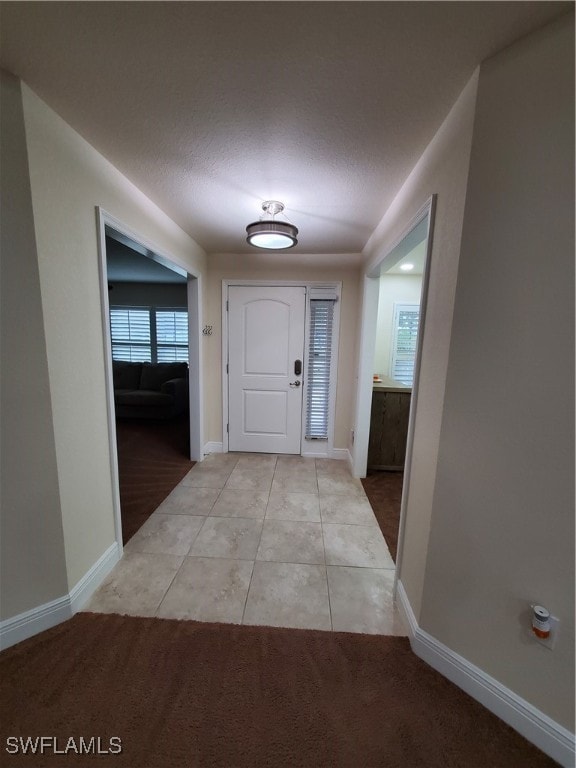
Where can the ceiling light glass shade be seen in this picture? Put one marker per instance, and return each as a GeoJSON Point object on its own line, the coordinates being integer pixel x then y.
{"type": "Point", "coordinates": [274, 235]}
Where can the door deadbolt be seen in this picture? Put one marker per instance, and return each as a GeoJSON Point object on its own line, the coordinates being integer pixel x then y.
{"type": "Point", "coordinates": [297, 367]}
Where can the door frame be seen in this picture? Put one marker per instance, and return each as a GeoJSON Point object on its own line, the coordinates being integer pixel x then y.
{"type": "Point", "coordinates": [307, 284]}
{"type": "Point", "coordinates": [366, 362]}
{"type": "Point", "coordinates": [194, 288]}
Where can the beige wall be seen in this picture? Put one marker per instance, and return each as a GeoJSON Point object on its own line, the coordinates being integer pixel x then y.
{"type": "Point", "coordinates": [394, 289]}
{"type": "Point", "coordinates": [68, 180]}
{"type": "Point", "coordinates": [261, 266]}
{"type": "Point", "coordinates": [442, 170]}
{"type": "Point", "coordinates": [502, 533]}
{"type": "Point", "coordinates": [32, 560]}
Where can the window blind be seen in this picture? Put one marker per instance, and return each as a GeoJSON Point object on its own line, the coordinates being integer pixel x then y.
{"type": "Point", "coordinates": [130, 330]}
{"type": "Point", "coordinates": [172, 336]}
{"type": "Point", "coordinates": [406, 323]}
{"type": "Point", "coordinates": [149, 335]}
{"type": "Point", "coordinates": [319, 359]}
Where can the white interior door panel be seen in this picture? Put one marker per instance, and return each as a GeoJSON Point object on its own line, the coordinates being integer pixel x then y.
{"type": "Point", "coordinates": [265, 339]}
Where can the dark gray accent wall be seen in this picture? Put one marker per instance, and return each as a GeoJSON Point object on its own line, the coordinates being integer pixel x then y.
{"type": "Point", "coordinates": [148, 294]}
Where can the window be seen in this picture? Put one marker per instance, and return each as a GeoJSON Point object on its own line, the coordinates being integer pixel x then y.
{"type": "Point", "coordinates": [319, 363]}
{"type": "Point", "coordinates": [131, 338]}
{"type": "Point", "coordinates": [406, 321]}
{"type": "Point", "coordinates": [149, 334]}
{"type": "Point", "coordinates": [171, 335]}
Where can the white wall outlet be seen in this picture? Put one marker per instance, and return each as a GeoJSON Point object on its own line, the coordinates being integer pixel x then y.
{"type": "Point", "coordinates": [550, 641]}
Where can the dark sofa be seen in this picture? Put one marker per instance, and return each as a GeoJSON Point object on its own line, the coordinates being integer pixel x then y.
{"type": "Point", "coordinates": [150, 390]}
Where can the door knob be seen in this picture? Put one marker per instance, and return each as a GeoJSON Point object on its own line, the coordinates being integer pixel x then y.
{"type": "Point", "coordinates": [294, 383]}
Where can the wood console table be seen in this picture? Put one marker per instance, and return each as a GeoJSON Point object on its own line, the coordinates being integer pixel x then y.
{"type": "Point", "coordinates": [388, 425]}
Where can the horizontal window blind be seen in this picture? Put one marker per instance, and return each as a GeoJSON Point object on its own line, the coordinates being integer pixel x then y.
{"type": "Point", "coordinates": [172, 336]}
{"type": "Point", "coordinates": [148, 334]}
{"type": "Point", "coordinates": [130, 330]}
{"type": "Point", "coordinates": [168, 354]}
{"type": "Point", "coordinates": [131, 354]}
{"type": "Point", "coordinates": [319, 359]}
{"type": "Point", "coordinates": [406, 324]}
{"type": "Point", "coordinates": [171, 326]}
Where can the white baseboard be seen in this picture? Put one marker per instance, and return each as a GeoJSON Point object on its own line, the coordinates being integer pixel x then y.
{"type": "Point", "coordinates": [309, 455]}
{"type": "Point", "coordinates": [32, 622]}
{"type": "Point", "coordinates": [213, 448]}
{"type": "Point", "coordinates": [342, 454]}
{"type": "Point", "coordinates": [89, 583]}
{"type": "Point", "coordinates": [553, 739]}
{"type": "Point", "coordinates": [48, 615]}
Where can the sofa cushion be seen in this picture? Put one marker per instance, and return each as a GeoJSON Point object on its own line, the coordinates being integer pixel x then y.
{"type": "Point", "coordinates": [155, 374]}
{"type": "Point", "coordinates": [141, 397]}
{"type": "Point", "coordinates": [126, 375]}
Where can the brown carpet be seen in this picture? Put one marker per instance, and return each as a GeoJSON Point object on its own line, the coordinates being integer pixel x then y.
{"type": "Point", "coordinates": [181, 694]}
{"type": "Point", "coordinates": [153, 456]}
{"type": "Point", "coordinates": [384, 491]}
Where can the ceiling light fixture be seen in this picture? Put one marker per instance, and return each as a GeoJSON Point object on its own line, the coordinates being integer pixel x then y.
{"type": "Point", "coordinates": [406, 267]}
{"type": "Point", "coordinates": [269, 233]}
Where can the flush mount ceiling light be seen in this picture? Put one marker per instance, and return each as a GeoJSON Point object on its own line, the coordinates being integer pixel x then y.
{"type": "Point", "coordinates": [406, 267]}
{"type": "Point", "coordinates": [269, 233]}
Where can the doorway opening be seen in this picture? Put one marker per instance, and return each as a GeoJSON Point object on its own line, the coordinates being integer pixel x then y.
{"type": "Point", "coordinates": [395, 292]}
{"type": "Point", "coordinates": [150, 310]}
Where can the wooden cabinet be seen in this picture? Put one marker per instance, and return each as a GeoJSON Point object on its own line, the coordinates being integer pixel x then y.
{"type": "Point", "coordinates": [388, 428]}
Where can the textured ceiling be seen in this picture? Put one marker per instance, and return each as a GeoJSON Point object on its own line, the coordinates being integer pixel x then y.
{"type": "Point", "coordinates": [212, 107]}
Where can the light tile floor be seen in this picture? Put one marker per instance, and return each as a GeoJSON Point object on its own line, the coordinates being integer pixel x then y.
{"type": "Point", "coordinates": [260, 539]}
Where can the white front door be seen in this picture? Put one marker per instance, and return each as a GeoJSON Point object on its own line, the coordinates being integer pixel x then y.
{"type": "Point", "coordinates": [265, 353]}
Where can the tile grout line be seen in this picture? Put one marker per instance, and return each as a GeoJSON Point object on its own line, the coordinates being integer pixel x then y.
{"type": "Point", "coordinates": [220, 558]}
{"type": "Point", "coordinates": [172, 581]}
{"type": "Point", "coordinates": [248, 591]}
{"type": "Point", "coordinates": [268, 499]}
{"type": "Point", "coordinates": [324, 548]}
{"type": "Point", "coordinates": [257, 548]}
{"type": "Point", "coordinates": [183, 556]}
{"type": "Point", "coordinates": [329, 600]}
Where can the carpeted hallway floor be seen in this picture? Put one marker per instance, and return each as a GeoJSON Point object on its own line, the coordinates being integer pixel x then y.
{"type": "Point", "coordinates": [182, 694]}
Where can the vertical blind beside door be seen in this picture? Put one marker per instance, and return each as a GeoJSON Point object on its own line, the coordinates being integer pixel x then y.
{"type": "Point", "coordinates": [319, 363]}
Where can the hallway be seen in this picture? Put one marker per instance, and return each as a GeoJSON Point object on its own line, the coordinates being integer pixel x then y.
{"type": "Point", "coordinates": [260, 539]}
